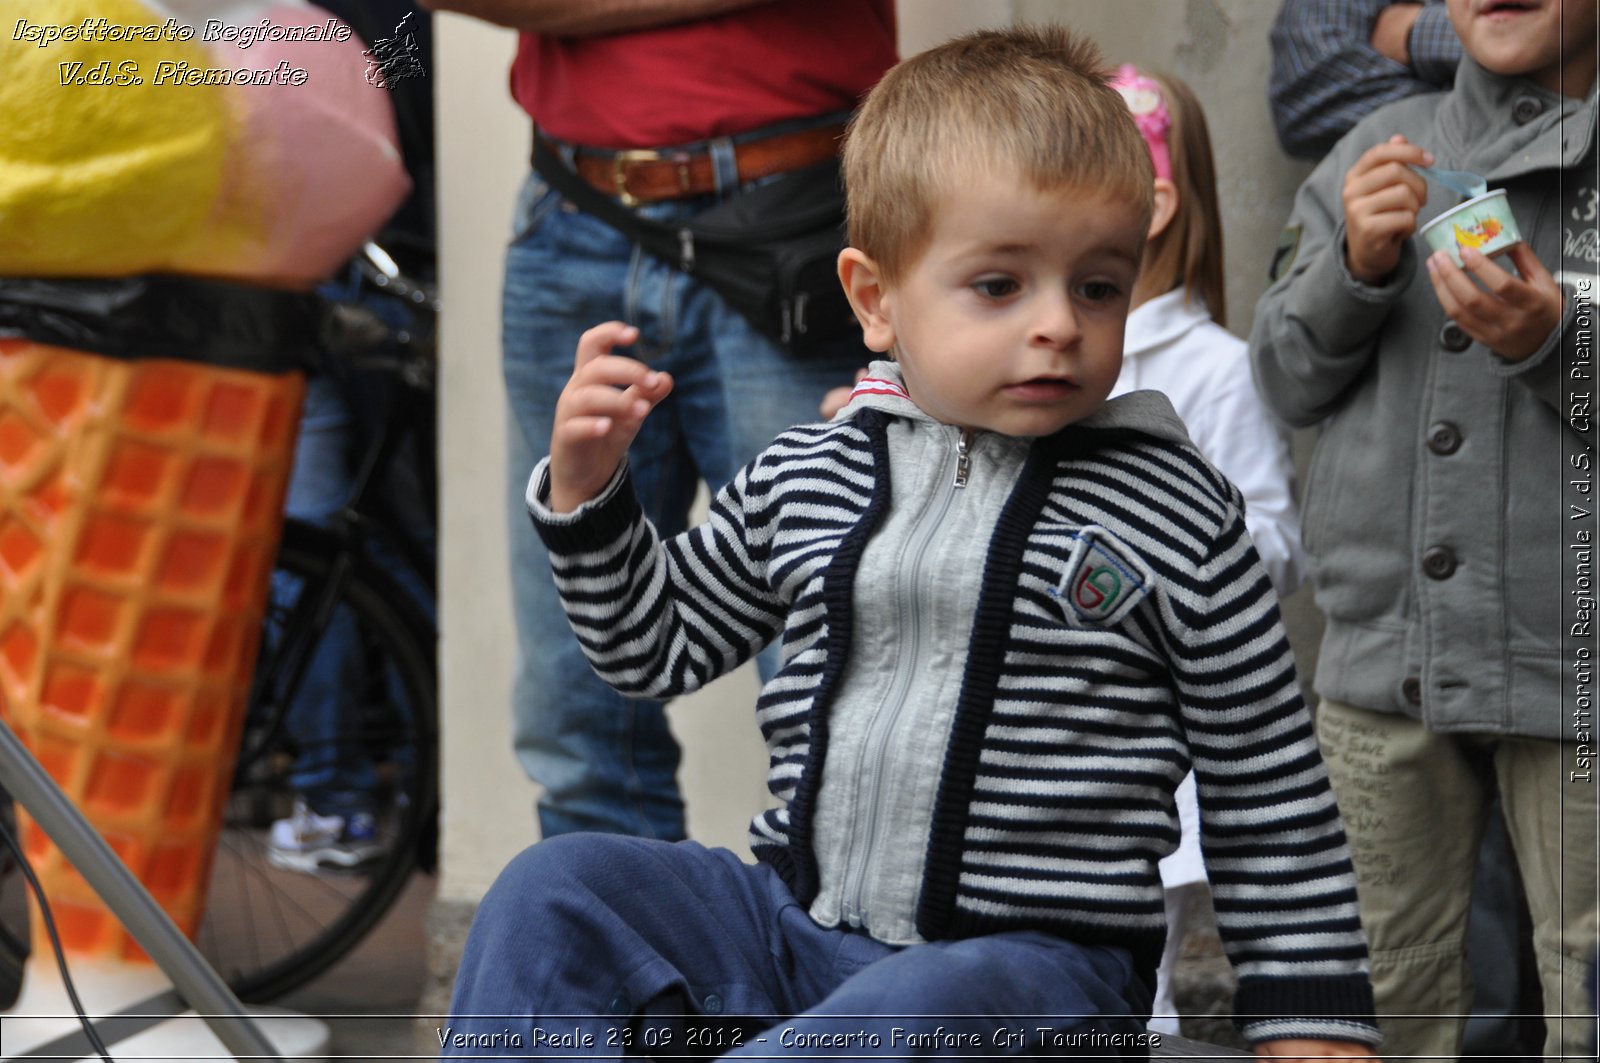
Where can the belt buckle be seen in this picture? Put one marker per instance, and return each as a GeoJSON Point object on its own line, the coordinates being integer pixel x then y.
{"type": "Point", "coordinates": [619, 179]}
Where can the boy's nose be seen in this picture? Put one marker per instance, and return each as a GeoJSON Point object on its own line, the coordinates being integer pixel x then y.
{"type": "Point", "coordinates": [1056, 325]}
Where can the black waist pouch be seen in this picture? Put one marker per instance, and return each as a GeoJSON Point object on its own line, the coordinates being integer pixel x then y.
{"type": "Point", "coordinates": [771, 252]}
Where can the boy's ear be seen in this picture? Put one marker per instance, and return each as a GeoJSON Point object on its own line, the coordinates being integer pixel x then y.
{"type": "Point", "coordinates": [865, 289]}
{"type": "Point", "coordinates": [1166, 207]}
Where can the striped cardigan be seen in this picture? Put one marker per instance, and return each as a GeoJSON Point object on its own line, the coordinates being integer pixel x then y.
{"type": "Point", "coordinates": [1125, 630]}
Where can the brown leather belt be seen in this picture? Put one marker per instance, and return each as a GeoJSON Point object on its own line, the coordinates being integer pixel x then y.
{"type": "Point", "coordinates": [648, 175]}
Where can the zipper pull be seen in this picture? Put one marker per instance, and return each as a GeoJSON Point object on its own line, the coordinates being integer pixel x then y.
{"type": "Point", "coordinates": [686, 250]}
{"type": "Point", "coordinates": [963, 457]}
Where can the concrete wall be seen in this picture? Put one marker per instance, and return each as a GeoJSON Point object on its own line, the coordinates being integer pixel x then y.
{"type": "Point", "coordinates": [1218, 46]}
{"type": "Point", "coordinates": [482, 146]}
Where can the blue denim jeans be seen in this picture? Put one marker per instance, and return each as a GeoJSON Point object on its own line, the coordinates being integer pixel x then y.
{"type": "Point", "coordinates": [596, 944]}
{"type": "Point", "coordinates": [608, 763]}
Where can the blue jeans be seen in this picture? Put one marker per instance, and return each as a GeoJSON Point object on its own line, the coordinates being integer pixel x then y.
{"type": "Point", "coordinates": [613, 943]}
{"type": "Point", "coordinates": [608, 763]}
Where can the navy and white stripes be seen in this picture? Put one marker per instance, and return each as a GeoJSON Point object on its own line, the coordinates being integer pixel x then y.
{"type": "Point", "coordinates": [1055, 797]}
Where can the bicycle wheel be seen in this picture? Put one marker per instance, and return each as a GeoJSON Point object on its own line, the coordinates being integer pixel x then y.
{"type": "Point", "coordinates": [269, 928]}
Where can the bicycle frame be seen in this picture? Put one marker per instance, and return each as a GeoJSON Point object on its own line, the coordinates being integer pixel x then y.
{"type": "Point", "coordinates": [367, 512]}
{"type": "Point", "coordinates": [408, 359]}
{"type": "Point", "coordinates": [302, 630]}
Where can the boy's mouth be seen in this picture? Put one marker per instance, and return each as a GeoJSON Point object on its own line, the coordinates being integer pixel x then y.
{"type": "Point", "coordinates": [1042, 388]}
{"type": "Point", "coordinates": [1507, 8]}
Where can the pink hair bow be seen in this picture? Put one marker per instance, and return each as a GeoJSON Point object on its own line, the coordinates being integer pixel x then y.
{"type": "Point", "coordinates": [1148, 104]}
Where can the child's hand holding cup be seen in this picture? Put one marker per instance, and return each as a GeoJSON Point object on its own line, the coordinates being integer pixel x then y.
{"type": "Point", "coordinates": [1511, 313]}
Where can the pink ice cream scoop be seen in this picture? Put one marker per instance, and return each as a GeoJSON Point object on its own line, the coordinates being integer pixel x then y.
{"type": "Point", "coordinates": [314, 167]}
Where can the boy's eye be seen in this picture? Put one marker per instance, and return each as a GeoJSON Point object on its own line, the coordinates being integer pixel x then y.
{"type": "Point", "coordinates": [1100, 291]}
{"type": "Point", "coordinates": [994, 287]}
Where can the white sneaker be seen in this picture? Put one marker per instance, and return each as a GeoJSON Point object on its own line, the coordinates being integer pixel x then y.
{"type": "Point", "coordinates": [308, 842]}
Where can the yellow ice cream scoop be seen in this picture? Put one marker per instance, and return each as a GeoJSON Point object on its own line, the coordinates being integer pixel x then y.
{"type": "Point", "coordinates": [102, 172]}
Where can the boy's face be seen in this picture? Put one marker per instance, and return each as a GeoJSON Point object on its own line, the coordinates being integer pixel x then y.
{"type": "Point", "coordinates": [1012, 319]}
{"type": "Point", "coordinates": [1549, 42]}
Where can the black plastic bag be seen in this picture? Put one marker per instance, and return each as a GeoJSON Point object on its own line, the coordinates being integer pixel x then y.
{"type": "Point", "coordinates": [220, 323]}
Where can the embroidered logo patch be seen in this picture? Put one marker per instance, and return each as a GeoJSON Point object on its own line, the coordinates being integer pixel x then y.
{"type": "Point", "coordinates": [1104, 579]}
{"type": "Point", "coordinates": [1098, 589]}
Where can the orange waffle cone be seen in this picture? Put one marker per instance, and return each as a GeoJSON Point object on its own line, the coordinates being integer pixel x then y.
{"type": "Point", "coordinates": [140, 509]}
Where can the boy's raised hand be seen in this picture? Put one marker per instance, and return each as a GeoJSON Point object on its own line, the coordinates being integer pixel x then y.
{"type": "Point", "coordinates": [599, 412]}
{"type": "Point", "coordinates": [1382, 195]}
{"type": "Point", "coordinates": [1510, 315]}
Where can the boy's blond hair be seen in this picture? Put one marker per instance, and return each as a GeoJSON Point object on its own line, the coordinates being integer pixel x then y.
{"type": "Point", "coordinates": [1032, 100]}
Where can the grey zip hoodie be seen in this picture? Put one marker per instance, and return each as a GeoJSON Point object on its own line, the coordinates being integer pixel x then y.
{"type": "Point", "coordinates": [915, 596]}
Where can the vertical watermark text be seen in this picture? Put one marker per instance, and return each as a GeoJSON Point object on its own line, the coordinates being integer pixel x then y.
{"type": "Point", "coordinates": [1579, 545]}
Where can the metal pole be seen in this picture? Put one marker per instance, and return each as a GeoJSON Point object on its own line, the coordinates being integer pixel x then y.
{"type": "Point", "coordinates": [194, 979]}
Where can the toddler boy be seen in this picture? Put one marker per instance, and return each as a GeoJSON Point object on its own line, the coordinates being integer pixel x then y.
{"type": "Point", "coordinates": [1012, 615]}
{"type": "Point", "coordinates": [1435, 515]}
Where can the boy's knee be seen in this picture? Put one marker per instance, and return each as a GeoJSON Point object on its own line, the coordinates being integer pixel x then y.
{"type": "Point", "coordinates": [548, 892]}
{"type": "Point", "coordinates": [562, 861]}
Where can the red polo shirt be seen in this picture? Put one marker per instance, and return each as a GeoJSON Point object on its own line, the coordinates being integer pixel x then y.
{"type": "Point", "coordinates": [709, 77]}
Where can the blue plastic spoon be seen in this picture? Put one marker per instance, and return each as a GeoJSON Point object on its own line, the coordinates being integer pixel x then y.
{"type": "Point", "coordinates": [1464, 182]}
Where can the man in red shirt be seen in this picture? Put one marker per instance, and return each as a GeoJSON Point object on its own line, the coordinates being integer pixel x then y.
{"type": "Point", "coordinates": [729, 86]}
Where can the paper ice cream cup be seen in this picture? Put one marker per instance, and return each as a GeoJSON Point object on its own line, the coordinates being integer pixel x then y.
{"type": "Point", "coordinates": [1484, 223]}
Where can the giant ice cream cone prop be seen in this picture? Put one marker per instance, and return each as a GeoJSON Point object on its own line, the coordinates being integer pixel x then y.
{"type": "Point", "coordinates": [140, 498]}
{"type": "Point", "coordinates": [140, 505]}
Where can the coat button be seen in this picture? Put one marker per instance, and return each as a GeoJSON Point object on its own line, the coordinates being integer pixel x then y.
{"type": "Point", "coordinates": [1526, 110]}
{"type": "Point", "coordinates": [1454, 338]}
{"type": "Point", "coordinates": [712, 1004]}
{"type": "Point", "coordinates": [619, 1005]}
{"type": "Point", "coordinates": [1439, 562]}
{"type": "Point", "coordinates": [1411, 690]}
{"type": "Point", "coordinates": [1444, 438]}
